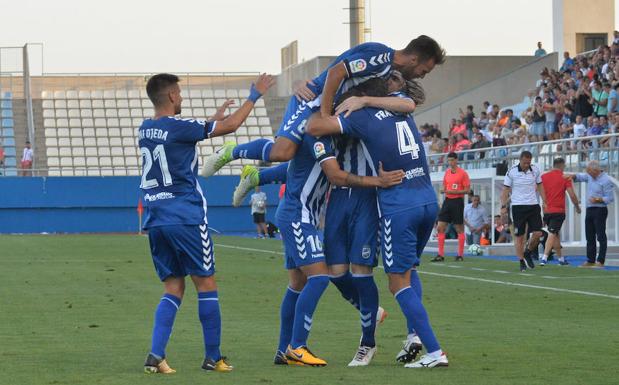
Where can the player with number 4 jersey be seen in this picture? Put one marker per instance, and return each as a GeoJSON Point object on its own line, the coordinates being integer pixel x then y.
{"type": "Point", "coordinates": [407, 210]}
{"type": "Point", "coordinates": [178, 233]}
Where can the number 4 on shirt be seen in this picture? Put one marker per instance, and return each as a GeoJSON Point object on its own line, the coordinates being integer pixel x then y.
{"type": "Point", "coordinates": [406, 140]}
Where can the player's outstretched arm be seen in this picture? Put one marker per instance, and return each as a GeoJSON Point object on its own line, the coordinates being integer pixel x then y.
{"type": "Point", "coordinates": [320, 125]}
{"type": "Point", "coordinates": [335, 77]}
{"type": "Point", "coordinates": [389, 103]}
{"type": "Point", "coordinates": [234, 121]}
{"type": "Point", "coordinates": [339, 177]}
{"type": "Point", "coordinates": [220, 114]}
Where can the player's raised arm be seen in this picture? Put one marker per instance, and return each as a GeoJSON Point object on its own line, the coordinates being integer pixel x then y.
{"type": "Point", "coordinates": [389, 103]}
{"type": "Point", "coordinates": [339, 177]}
{"type": "Point", "coordinates": [335, 77]}
{"type": "Point", "coordinates": [234, 121]}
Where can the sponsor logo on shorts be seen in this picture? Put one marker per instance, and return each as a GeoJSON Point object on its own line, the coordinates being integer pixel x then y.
{"type": "Point", "coordinates": [366, 252]}
{"type": "Point", "coordinates": [357, 65]}
{"type": "Point", "coordinates": [319, 149]}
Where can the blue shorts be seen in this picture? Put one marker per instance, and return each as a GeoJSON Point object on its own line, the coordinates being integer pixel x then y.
{"type": "Point", "coordinates": [549, 127]}
{"type": "Point", "coordinates": [181, 250]}
{"type": "Point", "coordinates": [404, 235]}
{"type": "Point", "coordinates": [351, 227]}
{"type": "Point", "coordinates": [302, 244]}
{"type": "Point", "coordinates": [295, 118]}
{"type": "Point", "coordinates": [537, 128]}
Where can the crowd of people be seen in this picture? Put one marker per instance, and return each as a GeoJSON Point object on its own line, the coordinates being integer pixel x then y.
{"type": "Point", "coordinates": [578, 100]}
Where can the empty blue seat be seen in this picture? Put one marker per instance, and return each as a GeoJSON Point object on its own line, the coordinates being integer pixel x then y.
{"type": "Point", "coordinates": [6, 104]}
{"type": "Point", "coordinates": [9, 151]}
{"type": "Point", "coordinates": [10, 161]}
{"type": "Point", "coordinates": [7, 113]}
{"type": "Point", "coordinates": [7, 95]}
{"type": "Point", "coordinates": [8, 132]}
{"type": "Point", "coordinates": [9, 142]}
{"type": "Point", "coordinates": [7, 123]}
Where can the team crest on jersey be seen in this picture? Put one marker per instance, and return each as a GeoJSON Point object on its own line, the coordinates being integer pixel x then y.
{"type": "Point", "coordinates": [319, 149]}
{"type": "Point", "coordinates": [366, 252]}
{"type": "Point", "coordinates": [357, 65]}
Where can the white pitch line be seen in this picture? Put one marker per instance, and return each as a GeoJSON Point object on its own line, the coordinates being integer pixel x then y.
{"type": "Point", "coordinates": [506, 283]}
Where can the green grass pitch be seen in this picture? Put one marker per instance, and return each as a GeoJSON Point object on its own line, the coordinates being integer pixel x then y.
{"type": "Point", "coordinates": [78, 310]}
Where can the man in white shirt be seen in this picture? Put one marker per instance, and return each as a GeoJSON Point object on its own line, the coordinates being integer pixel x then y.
{"type": "Point", "coordinates": [524, 183]}
{"type": "Point", "coordinates": [258, 203]}
{"type": "Point", "coordinates": [26, 160]}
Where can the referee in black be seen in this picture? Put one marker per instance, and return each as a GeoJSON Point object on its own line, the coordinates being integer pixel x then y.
{"type": "Point", "coordinates": [524, 183]}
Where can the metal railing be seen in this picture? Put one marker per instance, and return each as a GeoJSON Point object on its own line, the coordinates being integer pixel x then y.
{"type": "Point", "coordinates": [576, 152]}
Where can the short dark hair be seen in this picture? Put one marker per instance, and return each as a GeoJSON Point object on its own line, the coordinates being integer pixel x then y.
{"type": "Point", "coordinates": [452, 155]}
{"type": "Point", "coordinates": [373, 87]}
{"type": "Point", "coordinates": [526, 154]}
{"type": "Point", "coordinates": [157, 84]}
{"type": "Point", "coordinates": [558, 161]}
{"type": "Point", "coordinates": [426, 49]}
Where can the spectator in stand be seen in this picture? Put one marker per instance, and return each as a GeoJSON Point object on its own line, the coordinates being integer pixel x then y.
{"type": "Point", "coordinates": [468, 118]}
{"type": "Point", "coordinates": [595, 128]}
{"type": "Point", "coordinates": [599, 99]}
{"type": "Point", "coordinates": [427, 143]}
{"type": "Point", "coordinates": [26, 161]}
{"type": "Point", "coordinates": [458, 128]}
{"type": "Point", "coordinates": [568, 63]}
{"type": "Point", "coordinates": [582, 102]}
{"type": "Point", "coordinates": [462, 143]}
{"type": "Point", "coordinates": [480, 141]}
{"type": "Point", "coordinates": [611, 105]}
{"type": "Point", "coordinates": [258, 202]}
{"type": "Point", "coordinates": [550, 115]}
{"type": "Point", "coordinates": [539, 120]}
{"type": "Point", "coordinates": [483, 120]}
{"type": "Point", "coordinates": [476, 221]}
{"type": "Point", "coordinates": [539, 52]}
{"type": "Point", "coordinates": [599, 196]}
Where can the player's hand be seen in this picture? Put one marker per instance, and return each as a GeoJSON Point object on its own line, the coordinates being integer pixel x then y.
{"type": "Point", "coordinates": [350, 105]}
{"type": "Point", "coordinates": [302, 92]}
{"type": "Point", "coordinates": [220, 114]}
{"type": "Point", "coordinates": [263, 83]}
{"type": "Point", "coordinates": [578, 209]}
{"type": "Point", "coordinates": [504, 210]}
{"type": "Point", "coordinates": [389, 178]}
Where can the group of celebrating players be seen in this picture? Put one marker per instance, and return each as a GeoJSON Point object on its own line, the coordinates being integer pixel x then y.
{"type": "Point", "coordinates": [348, 131]}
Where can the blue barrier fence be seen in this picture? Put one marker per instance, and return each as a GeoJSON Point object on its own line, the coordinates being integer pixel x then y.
{"type": "Point", "coordinates": [106, 204]}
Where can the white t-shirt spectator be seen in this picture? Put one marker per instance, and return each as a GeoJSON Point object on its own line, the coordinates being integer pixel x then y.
{"type": "Point", "coordinates": [580, 130]}
{"type": "Point", "coordinates": [258, 203]}
{"type": "Point", "coordinates": [27, 157]}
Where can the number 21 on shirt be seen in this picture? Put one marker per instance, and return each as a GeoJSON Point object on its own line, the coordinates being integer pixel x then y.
{"type": "Point", "coordinates": [159, 155]}
{"type": "Point", "coordinates": [406, 140]}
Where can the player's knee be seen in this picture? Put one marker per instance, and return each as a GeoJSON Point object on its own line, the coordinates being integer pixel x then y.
{"type": "Point", "coordinates": [282, 151]}
{"type": "Point", "coordinates": [204, 284]}
{"type": "Point", "coordinates": [360, 269]}
{"type": "Point", "coordinates": [337, 270]}
{"type": "Point", "coordinates": [175, 286]}
{"type": "Point", "coordinates": [397, 282]}
{"type": "Point", "coordinates": [319, 281]}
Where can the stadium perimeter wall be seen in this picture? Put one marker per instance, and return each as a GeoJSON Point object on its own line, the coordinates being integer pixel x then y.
{"type": "Point", "coordinates": [107, 204]}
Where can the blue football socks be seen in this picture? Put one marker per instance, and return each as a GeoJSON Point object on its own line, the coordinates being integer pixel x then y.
{"type": "Point", "coordinates": [417, 316]}
{"type": "Point", "coordinates": [276, 174]}
{"type": "Point", "coordinates": [368, 306]}
{"type": "Point", "coordinates": [210, 317]}
{"type": "Point", "coordinates": [286, 318]}
{"type": "Point", "coordinates": [345, 285]}
{"type": "Point", "coordinates": [164, 321]}
{"type": "Point", "coordinates": [304, 312]}
{"type": "Point", "coordinates": [259, 149]}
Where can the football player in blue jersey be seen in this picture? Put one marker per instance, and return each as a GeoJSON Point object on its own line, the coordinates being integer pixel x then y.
{"type": "Point", "coordinates": [178, 233]}
{"type": "Point", "coordinates": [407, 210]}
{"type": "Point", "coordinates": [308, 176]}
{"type": "Point", "coordinates": [354, 66]}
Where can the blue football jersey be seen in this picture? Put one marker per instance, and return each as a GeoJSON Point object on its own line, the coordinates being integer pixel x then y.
{"type": "Point", "coordinates": [170, 189]}
{"type": "Point", "coordinates": [306, 184]}
{"type": "Point", "coordinates": [350, 156]}
{"type": "Point", "coordinates": [394, 140]}
{"type": "Point", "coordinates": [363, 62]}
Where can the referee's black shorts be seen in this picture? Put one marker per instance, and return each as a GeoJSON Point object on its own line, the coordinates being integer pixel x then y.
{"type": "Point", "coordinates": [452, 211]}
{"type": "Point", "coordinates": [526, 215]}
{"type": "Point", "coordinates": [258, 217]}
{"type": "Point", "coordinates": [554, 221]}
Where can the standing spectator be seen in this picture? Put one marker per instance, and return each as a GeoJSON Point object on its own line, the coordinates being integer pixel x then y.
{"type": "Point", "coordinates": [258, 203]}
{"type": "Point", "coordinates": [480, 142]}
{"type": "Point", "coordinates": [539, 52]}
{"type": "Point", "coordinates": [487, 107]}
{"type": "Point", "coordinates": [550, 114]}
{"type": "Point", "coordinates": [456, 185]}
{"type": "Point", "coordinates": [612, 106]}
{"type": "Point", "coordinates": [476, 220]}
{"type": "Point", "coordinates": [555, 186]}
{"type": "Point", "coordinates": [568, 63]}
{"type": "Point", "coordinates": [599, 99]}
{"type": "Point", "coordinates": [26, 161]}
{"type": "Point", "coordinates": [524, 183]}
{"type": "Point", "coordinates": [539, 120]}
{"type": "Point", "coordinates": [462, 143]}
{"type": "Point", "coordinates": [468, 117]}
{"type": "Point", "coordinates": [599, 196]}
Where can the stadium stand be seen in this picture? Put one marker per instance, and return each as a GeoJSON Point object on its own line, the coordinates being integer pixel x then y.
{"type": "Point", "coordinates": [93, 132]}
{"type": "Point", "coordinates": [7, 135]}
